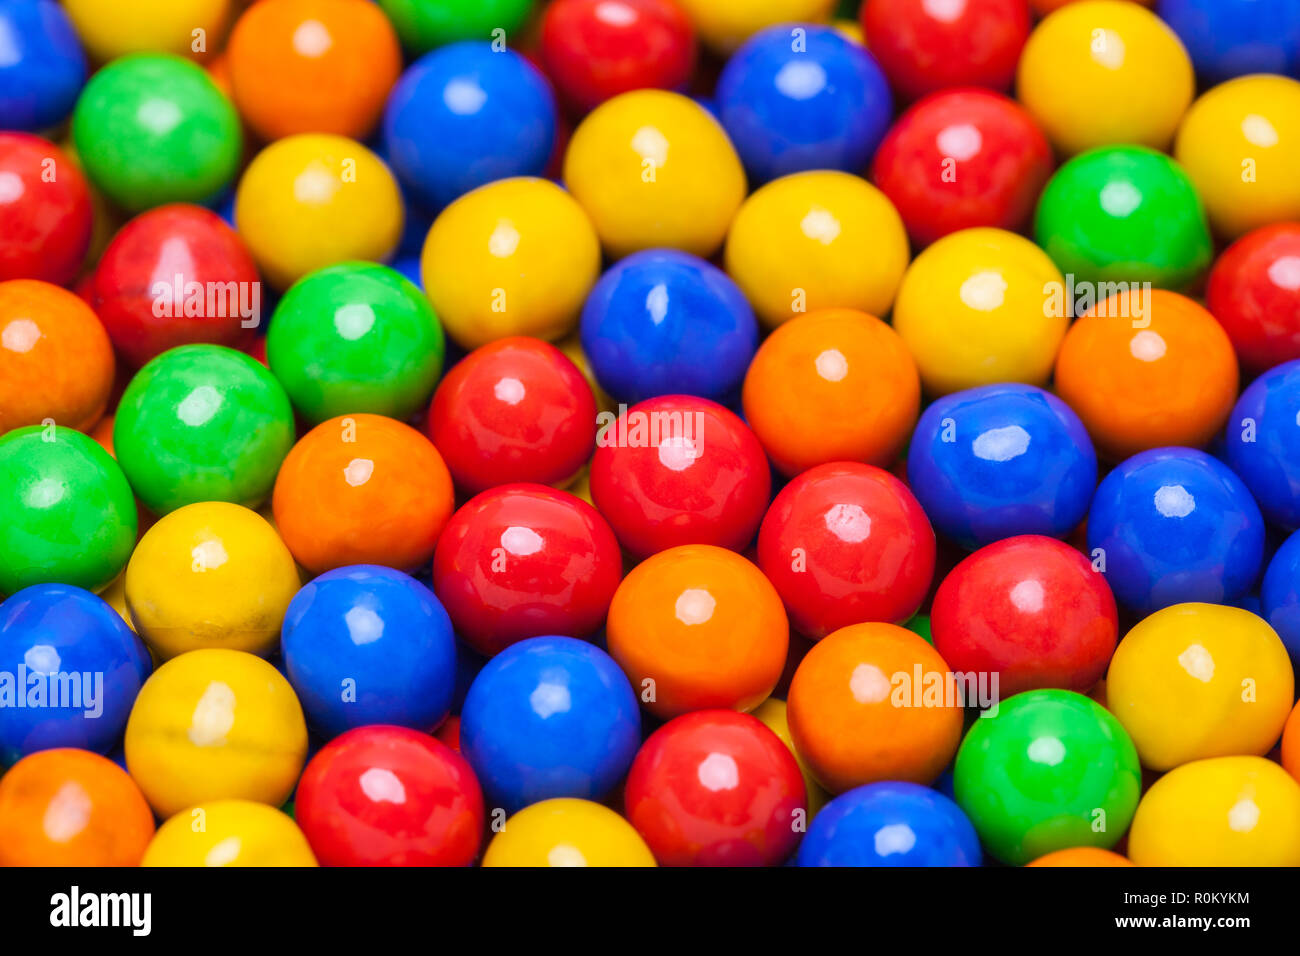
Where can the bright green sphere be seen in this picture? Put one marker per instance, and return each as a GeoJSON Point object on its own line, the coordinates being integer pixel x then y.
{"type": "Point", "coordinates": [425, 24]}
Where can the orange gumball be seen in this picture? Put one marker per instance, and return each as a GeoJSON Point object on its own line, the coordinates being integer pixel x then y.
{"type": "Point", "coordinates": [1147, 370]}
{"type": "Point", "coordinates": [1291, 743]}
{"type": "Point", "coordinates": [1081, 856]}
{"type": "Point", "coordinates": [874, 702]}
{"type": "Point", "coordinates": [696, 627]}
{"type": "Point", "coordinates": [71, 808]}
{"type": "Point", "coordinates": [362, 489]}
{"type": "Point", "coordinates": [832, 385]}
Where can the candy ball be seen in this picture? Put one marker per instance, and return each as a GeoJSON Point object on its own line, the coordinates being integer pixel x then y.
{"type": "Point", "coordinates": [1254, 292]}
{"type": "Point", "coordinates": [1264, 443]}
{"type": "Point", "coordinates": [1279, 595]}
{"type": "Point", "coordinates": [43, 68]}
{"type": "Point", "coordinates": [1228, 38]}
{"type": "Point", "coordinates": [45, 223]}
{"type": "Point", "coordinates": [567, 832]}
{"type": "Point", "coordinates": [229, 833]}
{"type": "Point", "coordinates": [130, 26]}
{"type": "Point", "coordinates": [1080, 856]}
{"type": "Point", "coordinates": [726, 24]}
{"type": "Point", "coordinates": [425, 24]}
{"type": "Point", "coordinates": [773, 713]}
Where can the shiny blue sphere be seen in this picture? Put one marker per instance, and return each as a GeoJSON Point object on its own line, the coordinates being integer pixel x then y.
{"type": "Point", "coordinates": [1229, 38]}
{"type": "Point", "coordinates": [1264, 443]}
{"type": "Point", "coordinates": [1279, 595]}
{"type": "Point", "coordinates": [42, 66]}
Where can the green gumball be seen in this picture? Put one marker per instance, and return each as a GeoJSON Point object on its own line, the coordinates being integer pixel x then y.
{"type": "Point", "coordinates": [425, 24]}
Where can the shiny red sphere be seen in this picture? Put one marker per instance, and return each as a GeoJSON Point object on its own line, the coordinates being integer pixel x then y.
{"type": "Point", "coordinates": [1031, 609]}
{"type": "Point", "coordinates": [389, 796]}
{"type": "Point", "coordinates": [514, 410]}
{"type": "Point", "coordinates": [960, 159]}
{"type": "Point", "coordinates": [1254, 292]}
{"type": "Point", "coordinates": [45, 211]}
{"type": "Point", "coordinates": [522, 561]}
{"type": "Point", "coordinates": [845, 543]}
{"type": "Point", "coordinates": [716, 788]}
{"type": "Point", "coordinates": [680, 470]}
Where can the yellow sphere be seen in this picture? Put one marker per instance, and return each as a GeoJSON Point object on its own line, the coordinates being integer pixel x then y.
{"type": "Point", "coordinates": [772, 713]}
{"type": "Point", "coordinates": [976, 308]}
{"type": "Point", "coordinates": [655, 169]}
{"type": "Point", "coordinates": [109, 30]}
{"type": "Point", "coordinates": [817, 240]}
{"type": "Point", "coordinates": [726, 24]}
{"type": "Point", "coordinates": [1229, 811]}
{"type": "Point", "coordinates": [115, 597]}
{"type": "Point", "coordinates": [514, 257]}
{"type": "Point", "coordinates": [229, 833]}
{"type": "Point", "coordinates": [1105, 71]}
{"type": "Point", "coordinates": [1200, 680]}
{"type": "Point", "coordinates": [310, 201]}
{"type": "Point", "coordinates": [215, 725]}
{"type": "Point", "coordinates": [1240, 144]}
{"type": "Point", "coordinates": [567, 832]}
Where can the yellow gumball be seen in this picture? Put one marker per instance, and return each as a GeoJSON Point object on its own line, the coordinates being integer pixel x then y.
{"type": "Point", "coordinates": [1240, 144]}
{"type": "Point", "coordinates": [187, 27]}
{"type": "Point", "coordinates": [310, 201]}
{"type": "Point", "coordinates": [567, 832]}
{"type": "Point", "coordinates": [115, 597]}
{"type": "Point", "coordinates": [772, 713]}
{"type": "Point", "coordinates": [1229, 811]}
{"type": "Point", "coordinates": [229, 833]}
{"type": "Point", "coordinates": [1200, 680]}
{"type": "Point", "coordinates": [1105, 71]}
{"type": "Point", "coordinates": [817, 240]}
{"type": "Point", "coordinates": [215, 725]}
{"type": "Point", "coordinates": [514, 257]}
{"type": "Point", "coordinates": [726, 24]}
{"type": "Point", "coordinates": [976, 308]}
{"type": "Point", "coordinates": [655, 169]}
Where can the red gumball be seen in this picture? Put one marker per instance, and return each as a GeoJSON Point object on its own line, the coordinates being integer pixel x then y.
{"type": "Point", "coordinates": [960, 159]}
{"type": "Point", "coordinates": [45, 211]}
{"type": "Point", "coordinates": [716, 788]}
{"type": "Point", "coordinates": [514, 410]}
{"type": "Point", "coordinates": [390, 796]}
{"type": "Point", "coordinates": [1254, 292]}
{"type": "Point", "coordinates": [1030, 609]}
{"type": "Point", "coordinates": [522, 561]}
{"type": "Point", "coordinates": [846, 543]}
{"type": "Point", "coordinates": [680, 470]}
{"type": "Point", "coordinates": [928, 45]}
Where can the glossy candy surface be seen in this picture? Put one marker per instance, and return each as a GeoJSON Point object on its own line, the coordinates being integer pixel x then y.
{"type": "Point", "coordinates": [726, 25]}
{"type": "Point", "coordinates": [1279, 594]}
{"type": "Point", "coordinates": [567, 832]}
{"type": "Point", "coordinates": [233, 833]}
{"type": "Point", "coordinates": [424, 24]}
{"type": "Point", "coordinates": [1264, 443]}
{"type": "Point", "coordinates": [45, 225]}
{"type": "Point", "coordinates": [44, 66]}
{"type": "Point", "coordinates": [1254, 292]}
{"type": "Point", "coordinates": [134, 25]}
{"type": "Point", "coordinates": [1229, 38]}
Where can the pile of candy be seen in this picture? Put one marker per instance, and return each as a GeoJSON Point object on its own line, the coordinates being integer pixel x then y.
{"type": "Point", "coordinates": [621, 432]}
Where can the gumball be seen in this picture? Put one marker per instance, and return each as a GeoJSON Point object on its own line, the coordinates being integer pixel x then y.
{"type": "Point", "coordinates": [233, 833]}
{"type": "Point", "coordinates": [716, 788]}
{"type": "Point", "coordinates": [679, 470]}
{"type": "Point", "coordinates": [975, 309]}
{"type": "Point", "coordinates": [567, 832]}
{"type": "Point", "coordinates": [515, 257]}
{"type": "Point", "coordinates": [1280, 595]}
{"type": "Point", "coordinates": [1229, 811]}
{"type": "Point", "coordinates": [1145, 369]}
{"type": "Point", "coordinates": [315, 200]}
{"type": "Point", "coordinates": [1080, 856]}
{"type": "Point", "coordinates": [130, 26]}
{"type": "Point", "coordinates": [202, 423]}
{"type": "Point", "coordinates": [69, 516]}
{"type": "Point", "coordinates": [845, 543]}
{"type": "Point", "coordinates": [663, 322]}
{"type": "Point", "coordinates": [1264, 443]}
{"type": "Point", "coordinates": [698, 627]}
{"type": "Point", "coordinates": [817, 240]}
{"type": "Point", "coordinates": [362, 489]}
{"type": "Point", "coordinates": [355, 337]}
{"type": "Point", "coordinates": [890, 824]}
{"type": "Point", "coordinates": [1200, 680]}
{"type": "Point", "coordinates": [655, 169]}
{"type": "Point", "coordinates": [312, 66]}
{"type": "Point", "coordinates": [831, 386]}
{"type": "Point", "coordinates": [773, 713]}
{"type": "Point", "coordinates": [1240, 144]}
{"type": "Point", "coordinates": [71, 807]}
{"type": "Point", "coordinates": [389, 796]}
{"type": "Point", "coordinates": [1229, 38]}
{"type": "Point", "coordinates": [960, 159]}
{"type": "Point", "coordinates": [1038, 775]}
{"type": "Point", "coordinates": [522, 560]}
{"type": "Point", "coordinates": [863, 708]}
{"type": "Point", "coordinates": [425, 24]}
{"type": "Point", "coordinates": [926, 46]}
{"type": "Point", "coordinates": [726, 24]}
{"type": "Point", "coordinates": [43, 68]}
{"type": "Point", "coordinates": [215, 724]}
{"type": "Point", "coordinates": [1254, 292]}
{"type": "Point", "coordinates": [45, 224]}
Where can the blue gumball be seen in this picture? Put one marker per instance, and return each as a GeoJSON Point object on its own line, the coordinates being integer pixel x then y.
{"type": "Point", "coordinates": [70, 670]}
{"type": "Point", "coordinates": [792, 102]}
{"type": "Point", "coordinates": [663, 322]}
{"type": "Point", "coordinates": [1002, 460]}
{"type": "Point", "coordinates": [549, 717]}
{"type": "Point", "coordinates": [1264, 443]}
{"type": "Point", "coordinates": [369, 645]}
{"type": "Point", "coordinates": [42, 66]}
{"type": "Point", "coordinates": [1279, 596]}
{"type": "Point", "coordinates": [1175, 525]}
{"type": "Point", "coordinates": [464, 116]}
{"type": "Point", "coordinates": [890, 824]}
{"type": "Point", "coordinates": [1228, 38]}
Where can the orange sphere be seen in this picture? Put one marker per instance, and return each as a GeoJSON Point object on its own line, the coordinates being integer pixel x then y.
{"type": "Point", "coordinates": [1081, 856]}
{"type": "Point", "coordinates": [1291, 743]}
{"type": "Point", "coordinates": [832, 385]}
{"type": "Point", "coordinates": [874, 702]}
{"type": "Point", "coordinates": [362, 489]}
{"type": "Point", "coordinates": [55, 358]}
{"type": "Point", "coordinates": [698, 626]}
{"type": "Point", "coordinates": [313, 66]}
{"type": "Point", "coordinates": [71, 808]}
{"type": "Point", "coordinates": [1147, 370]}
